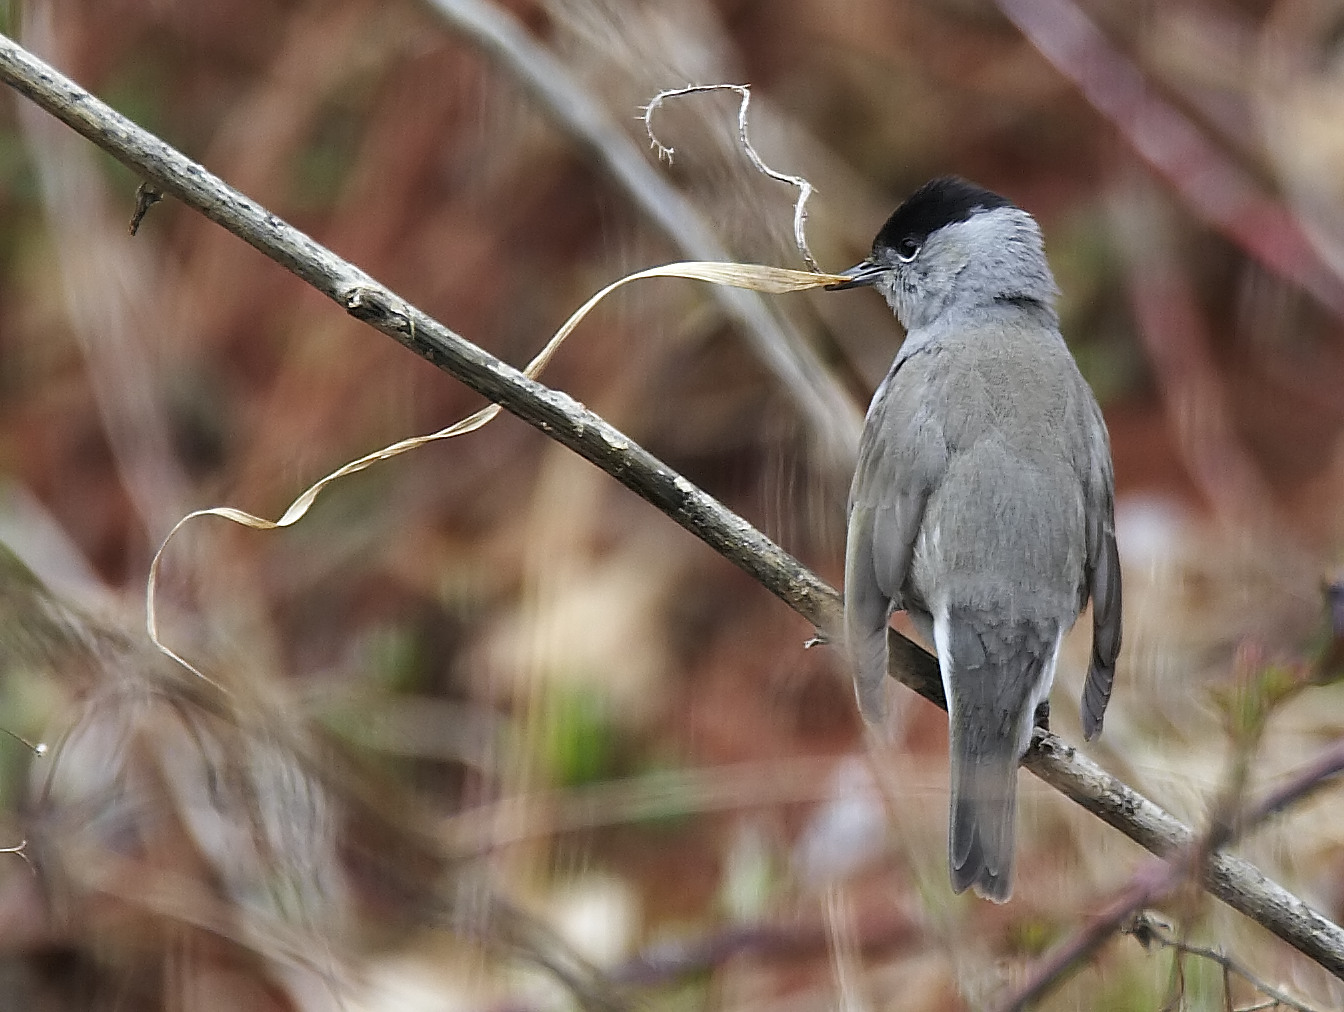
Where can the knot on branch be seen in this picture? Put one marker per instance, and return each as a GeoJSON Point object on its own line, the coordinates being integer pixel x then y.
{"type": "Point", "coordinates": [373, 306]}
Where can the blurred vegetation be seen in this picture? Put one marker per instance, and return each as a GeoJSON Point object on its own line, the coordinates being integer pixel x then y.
{"type": "Point", "coordinates": [486, 669]}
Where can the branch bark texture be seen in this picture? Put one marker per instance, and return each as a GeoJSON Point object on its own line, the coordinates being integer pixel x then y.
{"type": "Point", "coordinates": [1235, 881]}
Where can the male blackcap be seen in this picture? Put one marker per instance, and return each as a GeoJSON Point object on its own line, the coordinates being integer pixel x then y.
{"type": "Point", "coordinates": [982, 504]}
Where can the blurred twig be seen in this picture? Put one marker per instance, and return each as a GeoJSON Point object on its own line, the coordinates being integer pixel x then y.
{"type": "Point", "coordinates": [843, 944]}
{"type": "Point", "coordinates": [1206, 181]}
{"type": "Point", "coordinates": [1179, 345]}
{"type": "Point", "coordinates": [1319, 773]}
{"type": "Point", "coordinates": [508, 927]}
{"type": "Point", "coordinates": [831, 412]}
{"type": "Point", "coordinates": [669, 962]}
{"type": "Point", "coordinates": [1236, 882]}
{"type": "Point", "coordinates": [650, 796]}
{"type": "Point", "coordinates": [110, 311]}
{"type": "Point", "coordinates": [314, 840]}
{"type": "Point", "coordinates": [1149, 932]}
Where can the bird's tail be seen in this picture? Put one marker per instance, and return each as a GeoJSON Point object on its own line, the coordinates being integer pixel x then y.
{"type": "Point", "coordinates": [982, 823]}
{"type": "Point", "coordinates": [995, 674]}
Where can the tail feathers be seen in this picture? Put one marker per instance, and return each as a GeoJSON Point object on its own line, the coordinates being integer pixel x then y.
{"type": "Point", "coordinates": [868, 656]}
{"type": "Point", "coordinates": [983, 818]}
{"type": "Point", "coordinates": [870, 675]}
{"type": "Point", "coordinates": [1096, 694]}
{"type": "Point", "coordinates": [996, 673]}
{"type": "Point", "coordinates": [1104, 564]}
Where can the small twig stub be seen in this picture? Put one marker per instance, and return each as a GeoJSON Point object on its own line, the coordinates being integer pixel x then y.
{"type": "Point", "coordinates": [146, 196]}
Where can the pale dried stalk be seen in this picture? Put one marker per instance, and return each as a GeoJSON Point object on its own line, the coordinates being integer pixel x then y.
{"type": "Point", "coordinates": [755, 277]}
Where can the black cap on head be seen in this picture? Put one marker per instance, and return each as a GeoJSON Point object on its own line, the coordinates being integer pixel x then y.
{"type": "Point", "coordinates": [937, 203]}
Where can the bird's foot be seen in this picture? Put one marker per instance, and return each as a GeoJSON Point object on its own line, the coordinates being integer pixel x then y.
{"type": "Point", "coordinates": [1043, 715]}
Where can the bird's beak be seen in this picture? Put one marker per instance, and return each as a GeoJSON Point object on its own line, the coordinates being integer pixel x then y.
{"type": "Point", "coordinates": [863, 273]}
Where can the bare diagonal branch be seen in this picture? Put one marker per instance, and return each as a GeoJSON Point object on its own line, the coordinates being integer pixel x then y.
{"type": "Point", "coordinates": [1235, 881]}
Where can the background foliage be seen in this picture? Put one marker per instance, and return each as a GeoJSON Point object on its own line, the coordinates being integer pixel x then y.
{"type": "Point", "coordinates": [489, 650]}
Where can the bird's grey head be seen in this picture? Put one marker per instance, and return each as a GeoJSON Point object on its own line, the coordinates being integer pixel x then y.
{"type": "Point", "coordinates": [956, 247]}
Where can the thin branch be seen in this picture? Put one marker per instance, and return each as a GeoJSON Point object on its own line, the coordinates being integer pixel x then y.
{"type": "Point", "coordinates": [1238, 883]}
{"type": "Point", "coordinates": [39, 749]}
{"type": "Point", "coordinates": [1148, 931]}
{"type": "Point", "coordinates": [804, 188]}
{"type": "Point", "coordinates": [19, 850]}
{"type": "Point", "coordinates": [830, 410]}
{"type": "Point", "coordinates": [730, 787]}
{"type": "Point", "coordinates": [1050, 970]}
{"type": "Point", "coordinates": [1179, 346]}
{"type": "Point", "coordinates": [1318, 773]}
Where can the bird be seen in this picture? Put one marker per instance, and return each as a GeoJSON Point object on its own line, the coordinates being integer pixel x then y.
{"type": "Point", "coordinates": [982, 502]}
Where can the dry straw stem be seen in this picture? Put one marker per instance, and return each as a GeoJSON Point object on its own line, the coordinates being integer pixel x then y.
{"type": "Point", "coordinates": [1233, 880]}
{"type": "Point", "coordinates": [756, 277]}
{"type": "Point", "coordinates": [831, 412]}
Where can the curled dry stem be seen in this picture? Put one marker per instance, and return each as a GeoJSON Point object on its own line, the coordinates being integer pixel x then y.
{"type": "Point", "coordinates": [805, 189]}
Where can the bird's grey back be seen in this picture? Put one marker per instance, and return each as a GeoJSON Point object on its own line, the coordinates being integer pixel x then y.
{"type": "Point", "coordinates": [1004, 514]}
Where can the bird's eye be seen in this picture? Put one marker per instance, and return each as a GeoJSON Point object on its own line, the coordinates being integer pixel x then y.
{"type": "Point", "coordinates": [907, 249]}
